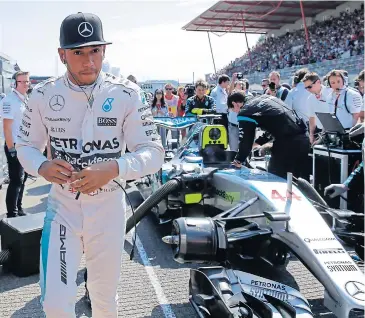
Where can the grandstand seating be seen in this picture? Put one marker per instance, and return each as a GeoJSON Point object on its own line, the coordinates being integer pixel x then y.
{"type": "Point", "coordinates": [335, 43]}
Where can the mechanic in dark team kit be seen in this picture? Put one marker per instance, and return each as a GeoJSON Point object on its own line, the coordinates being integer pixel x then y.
{"type": "Point", "coordinates": [89, 117]}
{"type": "Point", "coordinates": [200, 103]}
{"type": "Point", "coordinates": [291, 143]}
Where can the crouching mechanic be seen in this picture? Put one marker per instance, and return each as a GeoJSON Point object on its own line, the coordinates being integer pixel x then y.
{"type": "Point", "coordinates": [290, 148]}
{"type": "Point", "coordinates": [200, 103]}
{"type": "Point", "coordinates": [89, 117]}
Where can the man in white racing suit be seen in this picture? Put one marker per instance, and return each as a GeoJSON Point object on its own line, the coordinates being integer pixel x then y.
{"type": "Point", "coordinates": [88, 117]}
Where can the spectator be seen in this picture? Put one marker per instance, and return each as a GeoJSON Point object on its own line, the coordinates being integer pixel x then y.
{"type": "Point", "coordinates": [278, 91]}
{"type": "Point", "coordinates": [247, 92]}
{"type": "Point", "coordinates": [220, 95]}
{"type": "Point", "coordinates": [159, 109]}
{"type": "Point", "coordinates": [181, 106]}
{"type": "Point", "coordinates": [239, 86]}
{"type": "Point", "coordinates": [171, 100]}
{"type": "Point", "coordinates": [265, 84]}
{"type": "Point", "coordinates": [182, 101]}
{"type": "Point", "coordinates": [345, 103]}
{"type": "Point", "coordinates": [329, 40]}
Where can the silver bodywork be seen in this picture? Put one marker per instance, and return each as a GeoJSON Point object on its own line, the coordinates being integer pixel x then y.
{"type": "Point", "coordinates": [306, 234]}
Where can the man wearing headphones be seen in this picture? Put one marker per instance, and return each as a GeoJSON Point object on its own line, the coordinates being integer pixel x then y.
{"type": "Point", "coordinates": [89, 117]}
{"type": "Point", "coordinates": [345, 103]}
{"type": "Point", "coordinates": [12, 108]}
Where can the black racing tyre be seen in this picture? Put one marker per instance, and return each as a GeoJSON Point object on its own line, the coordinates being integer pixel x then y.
{"type": "Point", "coordinates": [359, 249]}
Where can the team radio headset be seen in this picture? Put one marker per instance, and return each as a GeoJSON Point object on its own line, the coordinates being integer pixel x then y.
{"type": "Point", "coordinates": [95, 23]}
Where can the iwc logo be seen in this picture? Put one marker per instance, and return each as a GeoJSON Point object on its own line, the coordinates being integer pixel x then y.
{"type": "Point", "coordinates": [57, 102]}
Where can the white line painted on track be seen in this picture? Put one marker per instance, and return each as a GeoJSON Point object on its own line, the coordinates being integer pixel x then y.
{"type": "Point", "coordinates": [164, 303]}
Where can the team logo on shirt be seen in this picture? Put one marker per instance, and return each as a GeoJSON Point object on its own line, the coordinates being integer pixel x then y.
{"type": "Point", "coordinates": [143, 98]}
{"type": "Point", "coordinates": [85, 29]}
{"type": "Point", "coordinates": [107, 106]}
{"type": "Point", "coordinates": [104, 121]}
{"type": "Point", "coordinates": [57, 102]}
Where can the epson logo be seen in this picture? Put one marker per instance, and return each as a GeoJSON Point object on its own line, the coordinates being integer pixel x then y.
{"type": "Point", "coordinates": [105, 121]}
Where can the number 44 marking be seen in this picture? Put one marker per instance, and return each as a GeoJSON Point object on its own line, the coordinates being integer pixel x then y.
{"type": "Point", "coordinates": [275, 195]}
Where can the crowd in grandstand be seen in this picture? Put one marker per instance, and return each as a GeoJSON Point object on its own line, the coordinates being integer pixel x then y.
{"type": "Point", "coordinates": [329, 40]}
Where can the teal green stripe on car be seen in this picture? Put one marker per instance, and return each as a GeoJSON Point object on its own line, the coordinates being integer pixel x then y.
{"type": "Point", "coordinates": [244, 118]}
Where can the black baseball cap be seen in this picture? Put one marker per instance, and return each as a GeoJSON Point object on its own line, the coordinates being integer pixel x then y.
{"type": "Point", "coordinates": [81, 29]}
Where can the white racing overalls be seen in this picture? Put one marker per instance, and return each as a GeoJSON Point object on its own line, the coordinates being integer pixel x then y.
{"type": "Point", "coordinates": [89, 132]}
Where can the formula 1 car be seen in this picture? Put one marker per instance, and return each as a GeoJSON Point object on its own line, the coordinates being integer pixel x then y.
{"type": "Point", "coordinates": [197, 188]}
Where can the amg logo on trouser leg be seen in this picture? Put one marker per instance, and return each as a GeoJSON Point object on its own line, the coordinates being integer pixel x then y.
{"type": "Point", "coordinates": [63, 254]}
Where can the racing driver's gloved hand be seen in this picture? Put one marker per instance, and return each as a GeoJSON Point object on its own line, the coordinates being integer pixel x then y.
{"type": "Point", "coordinates": [335, 190]}
{"type": "Point", "coordinates": [12, 152]}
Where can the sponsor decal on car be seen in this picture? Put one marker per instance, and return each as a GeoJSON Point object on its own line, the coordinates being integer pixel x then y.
{"type": "Point", "coordinates": [341, 266]}
{"type": "Point", "coordinates": [319, 239]}
{"type": "Point", "coordinates": [260, 288]}
{"type": "Point", "coordinates": [329, 251]}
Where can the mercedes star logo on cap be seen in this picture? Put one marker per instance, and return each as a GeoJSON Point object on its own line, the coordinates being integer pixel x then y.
{"type": "Point", "coordinates": [57, 102]}
{"type": "Point", "coordinates": [85, 29]}
{"type": "Point", "coordinates": [356, 290]}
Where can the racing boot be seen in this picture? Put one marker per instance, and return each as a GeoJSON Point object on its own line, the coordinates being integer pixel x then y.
{"type": "Point", "coordinates": [87, 296]}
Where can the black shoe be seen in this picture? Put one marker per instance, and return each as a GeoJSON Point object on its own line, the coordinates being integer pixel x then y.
{"type": "Point", "coordinates": [87, 297]}
{"type": "Point", "coordinates": [21, 212]}
{"type": "Point", "coordinates": [11, 215]}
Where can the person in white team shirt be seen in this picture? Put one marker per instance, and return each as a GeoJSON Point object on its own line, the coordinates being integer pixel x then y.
{"type": "Point", "coordinates": [12, 108]}
{"type": "Point", "coordinates": [297, 98]}
{"type": "Point", "coordinates": [89, 117]}
{"type": "Point", "coordinates": [345, 103]}
{"type": "Point", "coordinates": [359, 86]}
{"type": "Point", "coordinates": [317, 102]}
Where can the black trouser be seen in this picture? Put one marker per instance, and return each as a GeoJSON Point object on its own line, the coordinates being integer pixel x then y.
{"type": "Point", "coordinates": [290, 155]}
{"type": "Point", "coordinates": [17, 178]}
